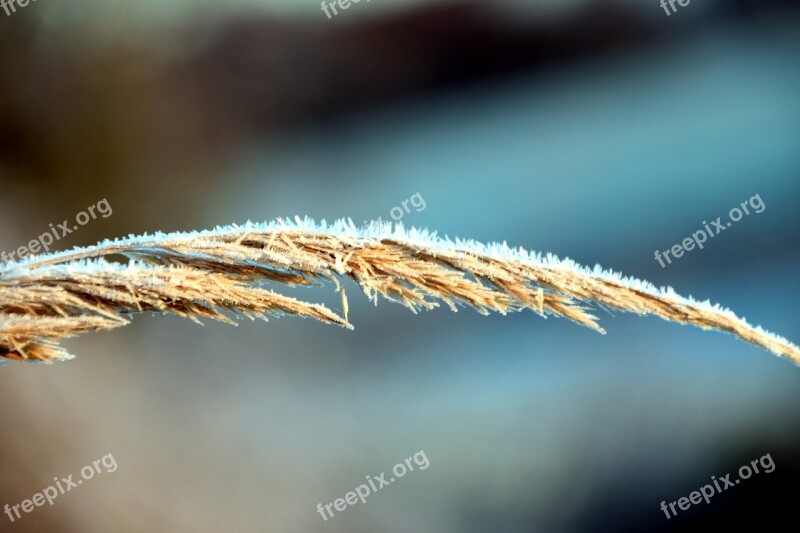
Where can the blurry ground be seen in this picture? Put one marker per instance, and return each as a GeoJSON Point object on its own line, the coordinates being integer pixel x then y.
{"type": "Point", "coordinates": [599, 131]}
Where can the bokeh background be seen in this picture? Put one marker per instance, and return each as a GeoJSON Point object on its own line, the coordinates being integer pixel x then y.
{"type": "Point", "coordinates": [598, 130]}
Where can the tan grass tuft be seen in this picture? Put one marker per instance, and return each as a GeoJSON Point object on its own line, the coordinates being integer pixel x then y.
{"type": "Point", "coordinates": [211, 273]}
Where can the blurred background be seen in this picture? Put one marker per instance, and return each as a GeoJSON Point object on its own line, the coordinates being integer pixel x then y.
{"type": "Point", "coordinates": [598, 130]}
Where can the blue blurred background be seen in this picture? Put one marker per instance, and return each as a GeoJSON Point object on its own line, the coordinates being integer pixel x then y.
{"type": "Point", "coordinates": [601, 131]}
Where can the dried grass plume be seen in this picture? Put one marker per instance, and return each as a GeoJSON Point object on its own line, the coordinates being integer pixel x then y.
{"type": "Point", "coordinates": [220, 273]}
